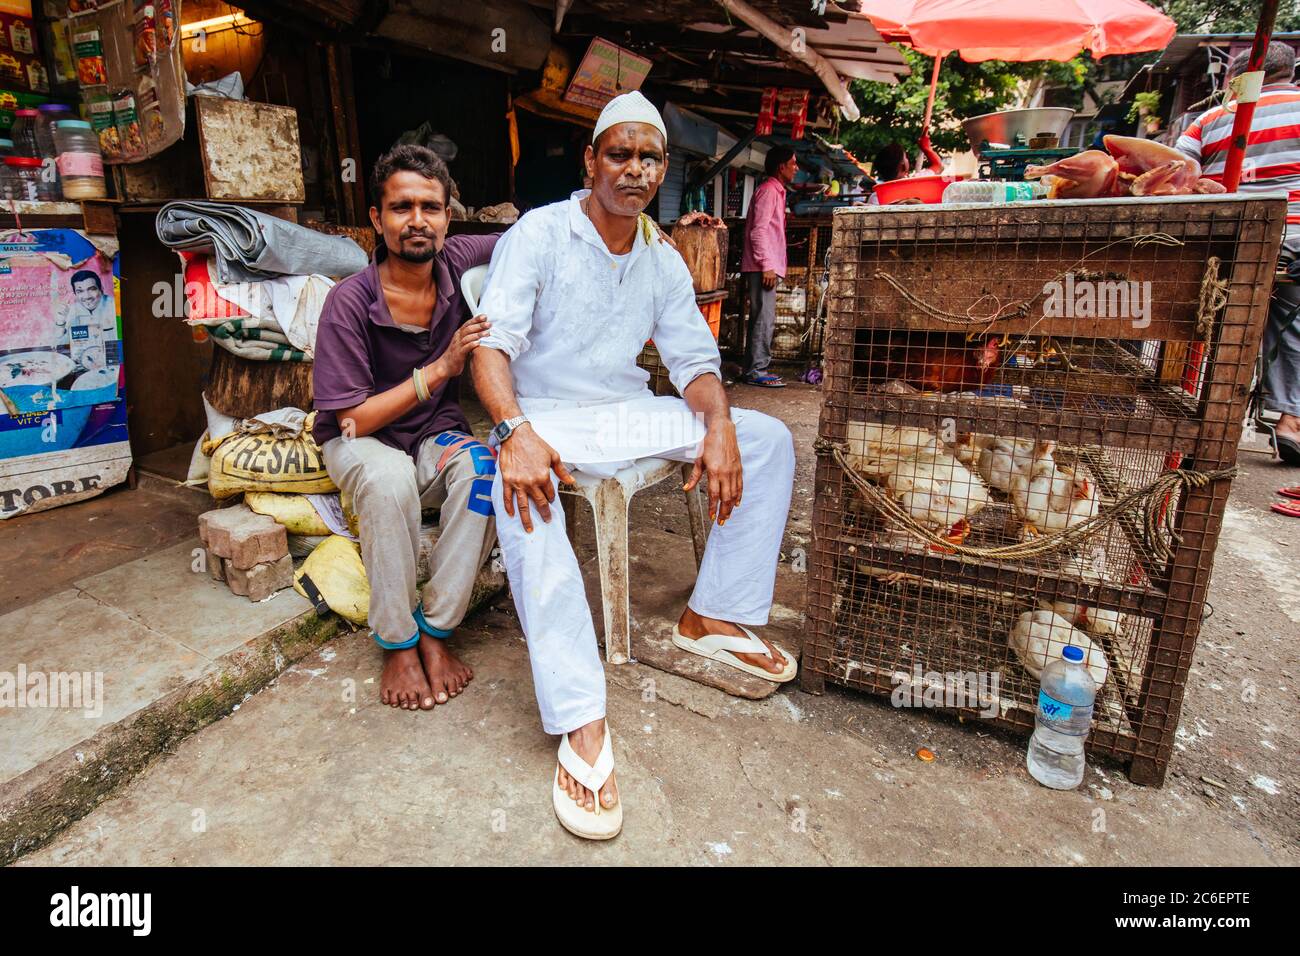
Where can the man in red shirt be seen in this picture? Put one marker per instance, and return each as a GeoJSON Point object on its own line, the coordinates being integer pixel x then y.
{"type": "Point", "coordinates": [763, 262]}
{"type": "Point", "coordinates": [1272, 164]}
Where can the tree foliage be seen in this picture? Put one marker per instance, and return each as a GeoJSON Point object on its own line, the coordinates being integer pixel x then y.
{"type": "Point", "coordinates": [895, 113]}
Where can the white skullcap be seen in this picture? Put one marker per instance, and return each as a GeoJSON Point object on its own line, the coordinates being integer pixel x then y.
{"type": "Point", "coordinates": [629, 108]}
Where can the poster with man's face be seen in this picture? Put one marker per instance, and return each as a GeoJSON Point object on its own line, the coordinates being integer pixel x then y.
{"type": "Point", "coordinates": [59, 329]}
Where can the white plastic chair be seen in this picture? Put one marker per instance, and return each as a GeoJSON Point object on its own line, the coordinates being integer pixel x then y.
{"type": "Point", "coordinates": [610, 499]}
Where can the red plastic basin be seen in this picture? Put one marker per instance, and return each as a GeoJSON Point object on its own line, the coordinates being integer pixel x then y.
{"type": "Point", "coordinates": [924, 188]}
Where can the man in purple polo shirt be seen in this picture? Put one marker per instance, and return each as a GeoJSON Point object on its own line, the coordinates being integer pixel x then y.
{"type": "Point", "coordinates": [391, 344]}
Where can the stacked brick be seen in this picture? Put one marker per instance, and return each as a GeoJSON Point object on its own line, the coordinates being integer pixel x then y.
{"type": "Point", "coordinates": [246, 550]}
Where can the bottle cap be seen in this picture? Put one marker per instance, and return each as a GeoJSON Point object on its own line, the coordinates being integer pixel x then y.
{"type": "Point", "coordinates": [54, 108]}
{"type": "Point", "coordinates": [73, 124]}
{"type": "Point", "coordinates": [27, 113]}
{"type": "Point", "coordinates": [24, 161]}
{"type": "Point", "coordinates": [1073, 653]}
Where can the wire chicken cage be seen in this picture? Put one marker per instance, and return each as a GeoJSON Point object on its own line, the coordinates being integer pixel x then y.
{"type": "Point", "coordinates": [1029, 430]}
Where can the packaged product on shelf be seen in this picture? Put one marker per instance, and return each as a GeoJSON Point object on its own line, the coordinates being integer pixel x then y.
{"type": "Point", "coordinates": [82, 6]}
{"type": "Point", "coordinates": [151, 117]}
{"type": "Point", "coordinates": [166, 23]}
{"type": "Point", "coordinates": [145, 29]}
{"type": "Point", "coordinates": [100, 108]}
{"type": "Point", "coordinates": [127, 122]}
{"type": "Point", "coordinates": [16, 34]}
{"type": "Point", "coordinates": [88, 45]}
{"type": "Point", "coordinates": [38, 81]}
{"type": "Point", "coordinates": [58, 39]}
{"type": "Point", "coordinates": [11, 71]}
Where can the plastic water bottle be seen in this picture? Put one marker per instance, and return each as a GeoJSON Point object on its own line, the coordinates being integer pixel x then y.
{"type": "Point", "coordinates": [1065, 697]}
{"type": "Point", "coordinates": [980, 191]}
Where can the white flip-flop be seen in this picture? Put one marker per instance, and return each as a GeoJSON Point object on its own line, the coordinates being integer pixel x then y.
{"type": "Point", "coordinates": [724, 647]}
{"type": "Point", "coordinates": [596, 824]}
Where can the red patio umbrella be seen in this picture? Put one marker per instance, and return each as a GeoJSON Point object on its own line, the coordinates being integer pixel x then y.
{"type": "Point", "coordinates": [998, 30]}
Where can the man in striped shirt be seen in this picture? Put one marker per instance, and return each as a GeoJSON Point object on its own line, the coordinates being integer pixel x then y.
{"type": "Point", "coordinates": [1272, 163]}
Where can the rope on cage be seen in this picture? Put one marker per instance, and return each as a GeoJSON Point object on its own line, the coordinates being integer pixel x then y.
{"type": "Point", "coordinates": [1158, 529]}
{"type": "Point", "coordinates": [1019, 309]}
{"type": "Point", "coordinates": [1214, 296]}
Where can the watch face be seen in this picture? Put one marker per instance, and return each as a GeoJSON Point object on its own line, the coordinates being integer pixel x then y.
{"type": "Point", "coordinates": [502, 431]}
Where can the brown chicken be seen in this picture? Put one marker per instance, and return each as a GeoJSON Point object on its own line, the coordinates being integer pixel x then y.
{"type": "Point", "coordinates": [930, 362]}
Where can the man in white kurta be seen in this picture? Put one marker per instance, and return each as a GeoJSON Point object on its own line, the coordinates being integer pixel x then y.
{"type": "Point", "coordinates": [572, 317]}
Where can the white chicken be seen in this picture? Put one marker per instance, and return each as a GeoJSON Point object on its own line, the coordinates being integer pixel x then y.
{"type": "Point", "coordinates": [1040, 636]}
{"type": "Point", "coordinates": [1094, 620]}
{"type": "Point", "coordinates": [1051, 497]}
{"type": "Point", "coordinates": [874, 449]}
{"type": "Point", "coordinates": [968, 446]}
{"type": "Point", "coordinates": [1004, 458]}
{"type": "Point", "coordinates": [938, 491]}
{"type": "Point", "coordinates": [933, 486]}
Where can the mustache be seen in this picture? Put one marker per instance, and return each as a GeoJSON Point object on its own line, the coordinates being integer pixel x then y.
{"type": "Point", "coordinates": [416, 233]}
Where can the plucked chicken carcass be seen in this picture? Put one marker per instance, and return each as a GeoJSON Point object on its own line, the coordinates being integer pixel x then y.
{"type": "Point", "coordinates": [1131, 167]}
{"type": "Point", "coordinates": [910, 463]}
{"type": "Point", "coordinates": [930, 362]}
{"type": "Point", "coordinates": [1149, 168]}
{"type": "Point", "coordinates": [1040, 636]}
{"type": "Point", "coordinates": [1087, 175]}
{"type": "Point", "coordinates": [1051, 497]}
{"type": "Point", "coordinates": [1094, 620]}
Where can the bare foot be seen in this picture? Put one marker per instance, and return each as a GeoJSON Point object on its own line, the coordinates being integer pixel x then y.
{"type": "Point", "coordinates": [1288, 426]}
{"type": "Point", "coordinates": [447, 674]}
{"type": "Point", "coordinates": [694, 626]}
{"type": "Point", "coordinates": [402, 683]}
{"type": "Point", "coordinates": [586, 742]}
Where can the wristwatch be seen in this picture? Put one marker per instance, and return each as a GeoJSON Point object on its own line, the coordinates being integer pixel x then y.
{"type": "Point", "coordinates": [507, 428]}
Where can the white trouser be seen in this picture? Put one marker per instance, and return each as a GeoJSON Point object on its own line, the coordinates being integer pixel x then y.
{"type": "Point", "coordinates": [735, 581]}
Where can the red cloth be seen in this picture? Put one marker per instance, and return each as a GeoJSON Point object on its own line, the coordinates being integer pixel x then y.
{"type": "Point", "coordinates": [201, 298]}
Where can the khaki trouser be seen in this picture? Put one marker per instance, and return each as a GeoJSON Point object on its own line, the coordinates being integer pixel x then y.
{"type": "Point", "coordinates": [453, 472]}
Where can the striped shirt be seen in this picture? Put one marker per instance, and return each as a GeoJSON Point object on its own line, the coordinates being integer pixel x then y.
{"type": "Point", "coordinates": [1272, 147]}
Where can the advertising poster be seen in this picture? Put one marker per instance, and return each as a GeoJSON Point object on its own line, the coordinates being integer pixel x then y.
{"type": "Point", "coordinates": [62, 409]}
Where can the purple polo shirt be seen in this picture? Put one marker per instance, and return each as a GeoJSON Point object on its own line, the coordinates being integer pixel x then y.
{"type": "Point", "coordinates": [361, 351]}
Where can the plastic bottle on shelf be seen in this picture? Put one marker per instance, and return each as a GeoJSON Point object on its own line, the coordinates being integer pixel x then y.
{"type": "Point", "coordinates": [22, 178]}
{"type": "Point", "coordinates": [24, 134]}
{"type": "Point", "coordinates": [49, 114]}
{"type": "Point", "coordinates": [983, 191]}
{"type": "Point", "coordinates": [81, 167]}
{"type": "Point", "coordinates": [1065, 698]}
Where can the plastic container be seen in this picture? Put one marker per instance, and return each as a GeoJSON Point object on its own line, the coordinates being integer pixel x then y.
{"type": "Point", "coordinates": [993, 192]}
{"type": "Point", "coordinates": [23, 134]}
{"type": "Point", "coordinates": [47, 114]}
{"type": "Point", "coordinates": [1065, 698]}
{"type": "Point", "coordinates": [22, 178]}
{"type": "Point", "coordinates": [81, 167]}
{"type": "Point", "coordinates": [927, 189]}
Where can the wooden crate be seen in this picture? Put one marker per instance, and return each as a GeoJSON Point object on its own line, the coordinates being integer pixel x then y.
{"type": "Point", "coordinates": [1135, 393]}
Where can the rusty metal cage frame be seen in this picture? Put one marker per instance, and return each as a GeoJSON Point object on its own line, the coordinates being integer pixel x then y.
{"type": "Point", "coordinates": [1188, 398]}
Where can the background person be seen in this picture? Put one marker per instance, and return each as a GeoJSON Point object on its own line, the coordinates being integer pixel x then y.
{"type": "Point", "coordinates": [1272, 163]}
{"type": "Point", "coordinates": [764, 262]}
